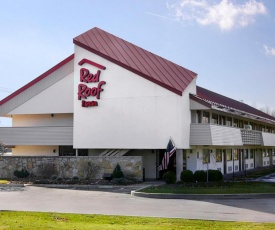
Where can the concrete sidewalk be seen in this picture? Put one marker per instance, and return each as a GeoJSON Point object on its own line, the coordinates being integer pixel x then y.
{"type": "Point", "coordinates": [267, 178]}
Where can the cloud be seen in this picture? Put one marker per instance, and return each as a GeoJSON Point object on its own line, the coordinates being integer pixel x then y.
{"type": "Point", "coordinates": [160, 16]}
{"type": "Point", "coordinates": [225, 14]}
{"type": "Point", "coordinates": [269, 50]}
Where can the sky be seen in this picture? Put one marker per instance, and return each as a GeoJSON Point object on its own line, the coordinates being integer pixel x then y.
{"type": "Point", "coordinates": [229, 44]}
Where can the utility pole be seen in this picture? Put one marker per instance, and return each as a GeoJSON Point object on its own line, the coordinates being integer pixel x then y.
{"type": "Point", "coordinates": [233, 163]}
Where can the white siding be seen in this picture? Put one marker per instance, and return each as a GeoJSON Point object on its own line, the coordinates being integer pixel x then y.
{"type": "Point", "coordinates": [200, 134]}
{"type": "Point", "coordinates": [206, 134]}
{"type": "Point", "coordinates": [37, 135]}
{"type": "Point", "coordinates": [197, 106]}
{"type": "Point", "coordinates": [39, 87]}
{"type": "Point", "coordinates": [133, 113]}
{"type": "Point", "coordinates": [57, 98]}
{"type": "Point", "coordinates": [222, 135]}
{"type": "Point", "coordinates": [268, 139]}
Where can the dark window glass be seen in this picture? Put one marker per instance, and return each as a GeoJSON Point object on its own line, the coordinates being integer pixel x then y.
{"type": "Point", "coordinates": [66, 151]}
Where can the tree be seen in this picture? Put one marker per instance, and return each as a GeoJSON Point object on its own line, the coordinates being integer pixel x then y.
{"type": "Point", "coordinates": [3, 148]}
{"type": "Point", "coordinates": [117, 173]}
{"type": "Point", "coordinates": [268, 111]}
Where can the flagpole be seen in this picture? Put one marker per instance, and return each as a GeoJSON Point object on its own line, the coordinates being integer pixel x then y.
{"type": "Point", "coordinates": [172, 141]}
{"type": "Point", "coordinates": [171, 148]}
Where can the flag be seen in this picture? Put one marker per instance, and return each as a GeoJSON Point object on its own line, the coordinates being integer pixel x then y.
{"type": "Point", "coordinates": [171, 148]}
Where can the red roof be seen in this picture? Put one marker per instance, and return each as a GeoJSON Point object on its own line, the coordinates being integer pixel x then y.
{"type": "Point", "coordinates": [137, 60]}
{"type": "Point", "coordinates": [219, 100]}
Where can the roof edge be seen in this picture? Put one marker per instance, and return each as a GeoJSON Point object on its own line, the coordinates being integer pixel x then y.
{"type": "Point", "coordinates": [212, 105]}
{"type": "Point", "coordinates": [178, 92]}
{"type": "Point", "coordinates": [205, 103]}
{"type": "Point", "coordinates": [39, 78]}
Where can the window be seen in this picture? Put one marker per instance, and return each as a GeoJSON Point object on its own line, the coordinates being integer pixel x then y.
{"type": "Point", "coordinates": [206, 156]}
{"type": "Point", "coordinates": [229, 121]}
{"type": "Point", "coordinates": [221, 120]}
{"type": "Point", "coordinates": [265, 154]}
{"type": "Point", "coordinates": [269, 152]}
{"type": "Point", "coordinates": [251, 154]}
{"type": "Point", "coordinates": [214, 118]}
{"type": "Point", "coordinates": [70, 151]}
{"type": "Point", "coordinates": [205, 117]}
{"type": "Point", "coordinates": [199, 116]}
{"type": "Point", "coordinates": [252, 125]}
{"type": "Point", "coordinates": [269, 129]}
{"type": "Point", "coordinates": [229, 154]}
{"type": "Point", "coordinates": [218, 155]}
{"type": "Point", "coordinates": [236, 154]}
{"type": "Point", "coordinates": [241, 124]}
{"type": "Point", "coordinates": [66, 151]}
{"type": "Point", "coordinates": [245, 153]}
{"type": "Point", "coordinates": [82, 152]}
{"type": "Point", "coordinates": [236, 122]}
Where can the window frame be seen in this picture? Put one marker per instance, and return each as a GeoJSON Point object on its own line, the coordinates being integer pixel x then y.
{"type": "Point", "coordinates": [228, 154]}
{"type": "Point", "coordinates": [206, 156]}
{"type": "Point", "coordinates": [219, 155]}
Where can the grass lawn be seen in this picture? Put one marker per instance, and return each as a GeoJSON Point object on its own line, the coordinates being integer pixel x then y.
{"type": "Point", "coordinates": [34, 220]}
{"type": "Point", "coordinates": [4, 182]}
{"type": "Point", "coordinates": [214, 188]}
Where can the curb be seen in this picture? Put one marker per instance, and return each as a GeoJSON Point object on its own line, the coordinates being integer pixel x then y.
{"type": "Point", "coordinates": [82, 187]}
{"type": "Point", "coordinates": [71, 186]}
{"type": "Point", "coordinates": [12, 185]}
{"type": "Point", "coordinates": [203, 196]}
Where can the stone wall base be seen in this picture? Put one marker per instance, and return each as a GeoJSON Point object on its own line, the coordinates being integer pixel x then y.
{"type": "Point", "coordinates": [69, 167]}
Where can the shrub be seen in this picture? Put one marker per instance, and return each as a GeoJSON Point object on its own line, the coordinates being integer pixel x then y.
{"type": "Point", "coordinates": [117, 173]}
{"type": "Point", "coordinates": [214, 175]}
{"type": "Point", "coordinates": [124, 181]}
{"type": "Point", "coordinates": [187, 176]}
{"type": "Point", "coordinates": [200, 176]}
{"type": "Point", "coordinates": [75, 178]}
{"type": "Point", "coordinates": [120, 181]}
{"type": "Point", "coordinates": [21, 173]}
{"type": "Point", "coordinates": [54, 177]}
{"type": "Point", "coordinates": [169, 177]}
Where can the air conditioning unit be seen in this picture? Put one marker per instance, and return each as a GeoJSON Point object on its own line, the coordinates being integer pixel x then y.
{"type": "Point", "coordinates": [247, 127]}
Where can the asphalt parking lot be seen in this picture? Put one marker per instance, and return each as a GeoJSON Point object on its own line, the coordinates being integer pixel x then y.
{"type": "Point", "coordinates": [118, 201]}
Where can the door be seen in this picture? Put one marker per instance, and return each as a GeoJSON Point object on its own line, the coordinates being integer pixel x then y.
{"type": "Point", "coordinates": [224, 162]}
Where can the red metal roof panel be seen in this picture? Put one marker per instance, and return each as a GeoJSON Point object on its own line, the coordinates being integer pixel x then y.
{"type": "Point", "coordinates": [142, 62]}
